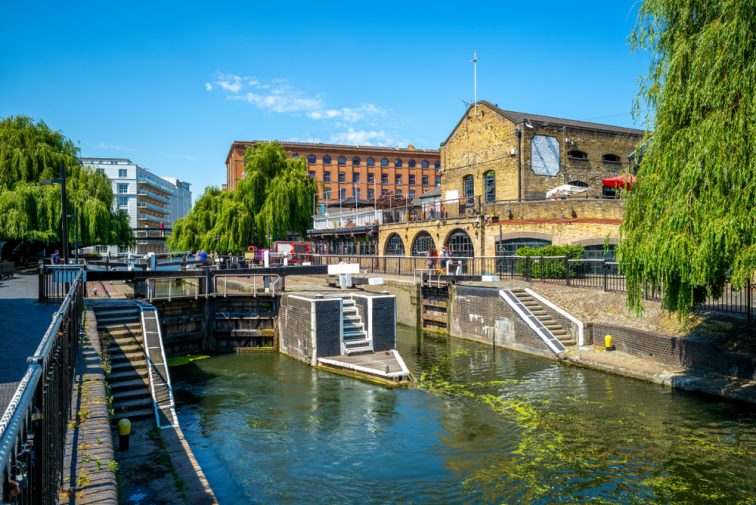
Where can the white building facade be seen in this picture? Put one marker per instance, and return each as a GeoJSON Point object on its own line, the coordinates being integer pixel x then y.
{"type": "Point", "coordinates": [153, 203]}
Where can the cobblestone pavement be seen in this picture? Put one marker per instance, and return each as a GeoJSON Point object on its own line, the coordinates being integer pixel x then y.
{"type": "Point", "coordinates": [23, 322]}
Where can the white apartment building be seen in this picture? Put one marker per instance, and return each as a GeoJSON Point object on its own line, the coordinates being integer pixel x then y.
{"type": "Point", "coordinates": [153, 203]}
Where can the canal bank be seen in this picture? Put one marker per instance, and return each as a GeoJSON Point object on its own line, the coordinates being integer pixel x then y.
{"type": "Point", "coordinates": [695, 362]}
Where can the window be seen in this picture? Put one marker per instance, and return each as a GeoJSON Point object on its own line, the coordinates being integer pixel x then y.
{"type": "Point", "coordinates": [326, 176]}
{"type": "Point", "coordinates": [579, 184]}
{"type": "Point", "coordinates": [295, 156]}
{"type": "Point", "coordinates": [371, 162]}
{"type": "Point", "coordinates": [342, 176]}
{"type": "Point", "coordinates": [489, 184]}
{"type": "Point", "coordinates": [357, 193]}
{"type": "Point", "coordinates": [371, 178]}
{"type": "Point", "coordinates": [597, 252]}
{"type": "Point", "coordinates": [577, 155]}
{"type": "Point", "coordinates": [326, 160]}
{"type": "Point", "coordinates": [394, 246]}
{"type": "Point", "coordinates": [425, 180]}
{"type": "Point", "coordinates": [384, 192]}
{"type": "Point", "coordinates": [411, 181]}
{"type": "Point", "coordinates": [342, 193]}
{"type": "Point", "coordinates": [311, 173]}
{"type": "Point", "coordinates": [610, 158]}
{"type": "Point", "coordinates": [100, 170]}
{"type": "Point", "coordinates": [411, 193]}
{"type": "Point", "coordinates": [122, 172]}
{"type": "Point", "coordinates": [123, 201]}
{"type": "Point", "coordinates": [397, 180]}
{"type": "Point", "coordinates": [355, 162]}
{"type": "Point", "coordinates": [123, 189]}
{"type": "Point", "coordinates": [438, 180]}
{"type": "Point", "coordinates": [509, 247]}
{"type": "Point", "coordinates": [425, 164]}
{"type": "Point", "coordinates": [311, 159]}
{"type": "Point", "coordinates": [412, 163]}
{"type": "Point", "coordinates": [384, 178]}
{"type": "Point", "coordinates": [437, 165]}
{"type": "Point", "coordinates": [397, 163]}
{"type": "Point", "coordinates": [371, 194]}
{"type": "Point", "coordinates": [468, 189]}
{"type": "Point", "coordinates": [342, 160]}
{"type": "Point", "coordinates": [398, 192]}
{"type": "Point", "coordinates": [422, 244]}
{"type": "Point", "coordinates": [459, 244]}
{"type": "Point", "coordinates": [326, 194]}
{"type": "Point", "coordinates": [384, 162]}
{"type": "Point", "coordinates": [355, 177]}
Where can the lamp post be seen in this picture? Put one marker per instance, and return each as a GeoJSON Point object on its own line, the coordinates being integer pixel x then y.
{"type": "Point", "coordinates": [64, 218]}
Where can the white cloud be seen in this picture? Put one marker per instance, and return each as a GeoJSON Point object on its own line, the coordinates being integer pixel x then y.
{"type": "Point", "coordinates": [208, 86]}
{"type": "Point", "coordinates": [112, 147]}
{"type": "Point", "coordinates": [364, 137]}
{"type": "Point", "coordinates": [348, 113]}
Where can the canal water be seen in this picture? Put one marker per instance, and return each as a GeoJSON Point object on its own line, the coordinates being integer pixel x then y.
{"type": "Point", "coordinates": [485, 426]}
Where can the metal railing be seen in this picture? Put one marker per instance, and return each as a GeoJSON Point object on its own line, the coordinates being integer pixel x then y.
{"type": "Point", "coordinates": [55, 282]}
{"type": "Point", "coordinates": [175, 287]}
{"type": "Point", "coordinates": [249, 284]}
{"type": "Point", "coordinates": [584, 273]}
{"type": "Point", "coordinates": [33, 428]}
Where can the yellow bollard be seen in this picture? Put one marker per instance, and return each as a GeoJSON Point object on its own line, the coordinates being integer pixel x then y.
{"type": "Point", "coordinates": [124, 430]}
{"type": "Point", "coordinates": [608, 342]}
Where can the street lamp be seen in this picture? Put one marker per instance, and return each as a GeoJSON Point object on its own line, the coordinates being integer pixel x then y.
{"type": "Point", "coordinates": [62, 181]}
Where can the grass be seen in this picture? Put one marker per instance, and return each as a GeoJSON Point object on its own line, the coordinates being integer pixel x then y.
{"type": "Point", "coordinates": [185, 360]}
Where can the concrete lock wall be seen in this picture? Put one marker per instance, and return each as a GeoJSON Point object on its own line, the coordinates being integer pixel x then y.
{"type": "Point", "coordinates": [295, 328]}
{"type": "Point", "coordinates": [480, 314]}
{"type": "Point", "coordinates": [328, 327]}
{"type": "Point", "coordinates": [383, 322]}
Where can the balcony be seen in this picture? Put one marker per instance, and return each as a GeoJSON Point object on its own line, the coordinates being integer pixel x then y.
{"type": "Point", "coordinates": [153, 196]}
{"type": "Point", "coordinates": [348, 219]}
{"type": "Point", "coordinates": [157, 208]}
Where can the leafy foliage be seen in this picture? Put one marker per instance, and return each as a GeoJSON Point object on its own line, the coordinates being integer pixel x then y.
{"type": "Point", "coordinates": [275, 197]}
{"type": "Point", "coordinates": [689, 223]}
{"type": "Point", "coordinates": [31, 152]}
{"type": "Point", "coordinates": [548, 268]}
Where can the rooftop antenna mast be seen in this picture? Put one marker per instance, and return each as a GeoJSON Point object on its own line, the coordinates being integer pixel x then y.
{"type": "Point", "coordinates": [474, 61]}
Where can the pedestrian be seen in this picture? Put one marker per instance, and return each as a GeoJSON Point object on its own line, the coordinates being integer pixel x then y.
{"type": "Point", "coordinates": [162, 229]}
{"type": "Point", "coordinates": [432, 258]}
{"type": "Point", "coordinates": [444, 257]}
{"type": "Point", "coordinates": [202, 257]}
{"type": "Point", "coordinates": [55, 257]}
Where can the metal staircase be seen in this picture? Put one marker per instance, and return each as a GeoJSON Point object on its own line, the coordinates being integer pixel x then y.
{"type": "Point", "coordinates": [356, 339]}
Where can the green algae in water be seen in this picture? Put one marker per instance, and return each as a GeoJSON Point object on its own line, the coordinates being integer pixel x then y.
{"type": "Point", "coordinates": [185, 360]}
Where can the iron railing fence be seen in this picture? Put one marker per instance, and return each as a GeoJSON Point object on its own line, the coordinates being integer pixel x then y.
{"type": "Point", "coordinates": [215, 283]}
{"type": "Point", "coordinates": [55, 282]}
{"type": "Point", "coordinates": [33, 428]}
{"type": "Point", "coordinates": [583, 273]}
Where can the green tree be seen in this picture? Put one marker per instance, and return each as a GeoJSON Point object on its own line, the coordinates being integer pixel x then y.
{"type": "Point", "coordinates": [275, 197]}
{"type": "Point", "coordinates": [689, 222]}
{"type": "Point", "coordinates": [31, 152]}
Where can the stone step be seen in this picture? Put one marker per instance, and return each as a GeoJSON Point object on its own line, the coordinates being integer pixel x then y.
{"type": "Point", "coordinates": [351, 325]}
{"type": "Point", "coordinates": [127, 375]}
{"type": "Point", "coordinates": [118, 386]}
{"type": "Point", "coordinates": [132, 404]}
{"type": "Point", "coordinates": [356, 343]}
{"type": "Point", "coordinates": [359, 350]}
{"type": "Point", "coordinates": [112, 320]}
{"type": "Point", "coordinates": [133, 414]}
{"type": "Point", "coordinates": [118, 354]}
{"type": "Point", "coordinates": [117, 366]}
{"type": "Point", "coordinates": [141, 392]}
{"type": "Point", "coordinates": [354, 334]}
{"type": "Point", "coordinates": [347, 301]}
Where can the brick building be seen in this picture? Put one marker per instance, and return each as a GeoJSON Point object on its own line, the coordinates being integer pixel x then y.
{"type": "Point", "coordinates": [354, 173]}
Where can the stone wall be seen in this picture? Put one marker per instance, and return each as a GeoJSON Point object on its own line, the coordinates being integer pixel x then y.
{"type": "Point", "coordinates": [328, 327]}
{"type": "Point", "coordinates": [696, 355]}
{"type": "Point", "coordinates": [295, 328]}
{"type": "Point", "coordinates": [383, 322]}
{"type": "Point", "coordinates": [480, 314]}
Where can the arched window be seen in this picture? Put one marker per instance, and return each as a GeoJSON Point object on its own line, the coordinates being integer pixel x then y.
{"type": "Point", "coordinates": [422, 244]}
{"type": "Point", "coordinates": [509, 247]}
{"type": "Point", "coordinates": [355, 162]}
{"type": "Point", "coordinates": [489, 184]}
{"type": "Point", "coordinates": [425, 164]}
{"type": "Point", "coordinates": [437, 165]}
{"type": "Point", "coordinates": [411, 163]}
{"type": "Point", "coordinates": [610, 158]}
{"type": "Point", "coordinates": [384, 162]}
{"type": "Point", "coordinates": [579, 184]}
{"type": "Point", "coordinates": [468, 188]}
{"type": "Point", "coordinates": [342, 160]}
{"type": "Point", "coordinates": [397, 163]}
{"type": "Point", "coordinates": [326, 160]}
{"type": "Point", "coordinates": [371, 162]}
{"type": "Point", "coordinates": [311, 159]}
{"type": "Point", "coordinates": [577, 155]}
{"type": "Point", "coordinates": [459, 244]}
{"type": "Point", "coordinates": [394, 246]}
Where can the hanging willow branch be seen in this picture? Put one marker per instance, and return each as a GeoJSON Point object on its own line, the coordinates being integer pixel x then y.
{"type": "Point", "coordinates": [689, 224]}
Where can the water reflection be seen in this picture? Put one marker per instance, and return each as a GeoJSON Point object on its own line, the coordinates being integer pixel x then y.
{"type": "Point", "coordinates": [489, 426]}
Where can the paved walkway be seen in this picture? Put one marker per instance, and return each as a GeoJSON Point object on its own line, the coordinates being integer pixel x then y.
{"type": "Point", "coordinates": [23, 322]}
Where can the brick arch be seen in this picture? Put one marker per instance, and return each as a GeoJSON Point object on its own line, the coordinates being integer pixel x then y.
{"type": "Point", "coordinates": [388, 241]}
{"type": "Point", "coordinates": [596, 241]}
{"type": "Point", "coordinates": [526, 234]}
{"type": "Point", "coordinates": [418, 234]}
{"type": "Point", "coordinates": [455, 231]}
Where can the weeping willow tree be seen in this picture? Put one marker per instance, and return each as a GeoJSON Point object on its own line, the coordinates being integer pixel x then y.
{"type": "Point", "coordinates": [274, 199]}
{"type": "Point", "coordinates": [689, 223]}
{"type": "Point", "coordinates": [31, 152]}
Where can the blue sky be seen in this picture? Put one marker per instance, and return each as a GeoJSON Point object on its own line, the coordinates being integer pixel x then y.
{"type": "Point", "coordinates": [170, 85]}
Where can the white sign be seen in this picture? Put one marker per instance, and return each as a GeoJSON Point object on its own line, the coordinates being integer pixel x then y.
{"type": "Point", "coordinates": [344, 268]}
{"type": "Point", "coordinates": [544, 155]}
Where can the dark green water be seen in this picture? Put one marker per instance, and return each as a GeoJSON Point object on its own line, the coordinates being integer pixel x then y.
{"type": "Point", "coordinates": [488, 426]}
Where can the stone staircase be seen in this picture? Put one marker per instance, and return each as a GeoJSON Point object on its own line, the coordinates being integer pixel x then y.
{"type": "Point", "coordinates": [120, 329]}
{"type": "Point", "coordinates": [356, 340]}
{"type": "Point", "coordinates": [537, 309]}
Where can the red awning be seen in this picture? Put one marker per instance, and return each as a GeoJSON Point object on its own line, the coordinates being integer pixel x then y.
{"type": "Point", "coordinates": [624, 181]}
